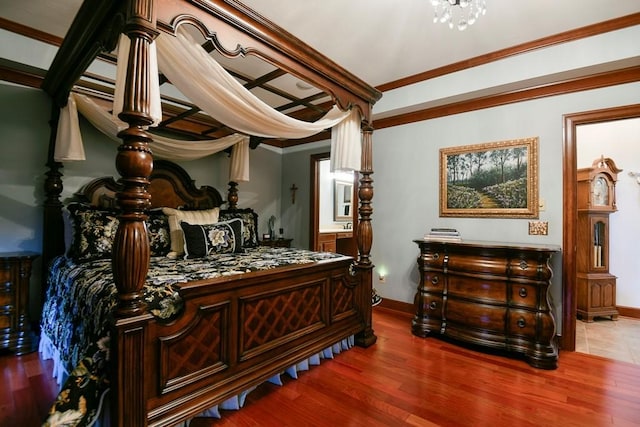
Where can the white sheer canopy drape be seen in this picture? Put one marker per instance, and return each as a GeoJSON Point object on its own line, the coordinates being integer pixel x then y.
{"type": "Point", "coordinates": [208, 85]}
{"type": "Point", "coordinates": [70, 147]}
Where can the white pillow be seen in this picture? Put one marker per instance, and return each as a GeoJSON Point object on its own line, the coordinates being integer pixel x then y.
{"type": "Point", "coordinates": [199, 217]}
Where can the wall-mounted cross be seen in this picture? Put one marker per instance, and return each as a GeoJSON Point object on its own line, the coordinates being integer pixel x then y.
{"type": "Point", "coordinates": [293, 193]}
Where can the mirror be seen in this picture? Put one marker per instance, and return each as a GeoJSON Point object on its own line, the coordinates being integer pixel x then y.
{"type": "Point", "coordinates": [342, 200]}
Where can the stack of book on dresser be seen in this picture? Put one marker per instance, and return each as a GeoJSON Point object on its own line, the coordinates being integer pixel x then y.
{"type": "Point", "coordinates": [443, 235]}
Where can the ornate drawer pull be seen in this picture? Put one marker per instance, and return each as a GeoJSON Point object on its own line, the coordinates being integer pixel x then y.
{"type": "Point", "coordinates": [523, 292]}
{"type": "Point", "coordinates": [435, 280]}
{"type": "Point", "coordinates": [433, 305]}
{"type": "Point", "coordinates": [521, 323]}
{"type": "Point", "coordinates": [436, 256]}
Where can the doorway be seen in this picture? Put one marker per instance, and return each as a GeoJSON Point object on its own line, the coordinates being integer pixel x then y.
{"type": "Point", "coordinates": [570, 214]}
{"type": "Point", "coordinates": [334, 217]}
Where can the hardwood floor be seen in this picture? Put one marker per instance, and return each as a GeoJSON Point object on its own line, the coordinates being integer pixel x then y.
{"type": "Point", "coordinates": [27, 389]}
{"type": "Point", "coordinates": [402, 380]}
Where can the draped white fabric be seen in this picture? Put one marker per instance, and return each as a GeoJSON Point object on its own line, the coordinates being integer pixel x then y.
{"type": "Point", "coordinates": [155, 102]}
{"type": "Point", "coordinates": [68, 138]}
{"type": "Point", "coordinates": [208, 85]}
{"type": "Point", "coordinates": [198, 76]}
{"type": "Point", "coordinates": [162, 147]}
{"type": "Point", "coordinates": [346, 144]}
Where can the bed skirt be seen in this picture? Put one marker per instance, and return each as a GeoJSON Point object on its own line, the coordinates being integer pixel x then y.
{"type": "Point", "coordinates": [101, 419]}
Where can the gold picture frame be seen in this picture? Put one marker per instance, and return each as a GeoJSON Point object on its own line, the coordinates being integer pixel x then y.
{"type": "Point", "coordinates": [491, 180]}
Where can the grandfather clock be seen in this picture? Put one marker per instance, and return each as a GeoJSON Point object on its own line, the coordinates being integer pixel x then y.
{"type": "Point", "coordinates": [596, 201]}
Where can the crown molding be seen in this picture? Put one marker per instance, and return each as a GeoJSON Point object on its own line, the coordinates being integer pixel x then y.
{"type": "Point", "coordinates": [589, 82]}
{"type": "Point", "coordinates": [556, 39]}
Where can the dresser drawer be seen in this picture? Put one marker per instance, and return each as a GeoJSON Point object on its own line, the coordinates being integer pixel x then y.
{"type": "Point", "coordinates": [524, 295]}
{"type": "Point", "coordinates": [5, 319]}
{"type": "Point", "coordinates": [528, 268]}
{"type": "Point", "coordinates": [433, 281]}
{"type": "Point", "coordinates": [479, 289]}
{"type": "Point", "coordinates": [432, 259]}
{"type": "Point", "coordinates": [522, 323]}
{"type": "Point", "coordinates": [475, 315]}
{"type": "Point", "coordinates": [6, 294]}
{"type": "Point", "coordinates": [432, 306]}
{"type": "Point", "coordinates": [474, 263]}
{"type": "Point", "coordinates": [6, 298]}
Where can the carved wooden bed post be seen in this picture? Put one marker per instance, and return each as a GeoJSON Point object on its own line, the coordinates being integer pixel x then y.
{"type": "Point", "coordinates": [135, 164]}
{"type": "Point", "coordinates": [365, 234]}
{"type": "Point", "coordinates": [232, 195]}
{"type": "Point", "coordinates": [53, 227]}
{"type": "Point", "coordinates": [131, 250]}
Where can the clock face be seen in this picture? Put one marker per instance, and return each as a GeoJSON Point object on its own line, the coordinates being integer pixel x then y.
{"type": "Point", "coordinates": [600, 191]}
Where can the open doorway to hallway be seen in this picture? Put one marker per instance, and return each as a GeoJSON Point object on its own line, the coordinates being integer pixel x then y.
{"type": "Point", "coordinates": [604, 337]}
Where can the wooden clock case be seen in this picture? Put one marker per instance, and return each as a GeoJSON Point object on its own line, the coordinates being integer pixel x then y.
{"type": "Point", "coordinates": [596, 202]}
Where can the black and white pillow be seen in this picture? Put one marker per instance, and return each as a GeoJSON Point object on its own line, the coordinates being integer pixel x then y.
{"type": "Point", "coordinates": [201, 240]}
{"type": "Point", "coordinates": [249, 224]}
{"type": "Point", "coordinates": [195, 217]}
{"type": "Point", "coordinates": [93, 232]}
{"type": "Point", "coordinates": [158, 233]}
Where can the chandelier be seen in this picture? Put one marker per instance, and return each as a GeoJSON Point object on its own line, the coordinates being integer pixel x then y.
{"type": "Point", "coordinates": [467, 11]}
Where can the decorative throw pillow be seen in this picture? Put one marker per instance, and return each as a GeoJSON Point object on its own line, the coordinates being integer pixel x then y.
{"type": "Point", "coordinates": [93, 232]}
{"type": "Point", "coordinates": [158, 232]}
{"type": "Point", "coordinates": [249, 225]}
{"type": "Point", "coordinates": [205, 216]}
{"type": "Point", "coordinates": [201, 240]}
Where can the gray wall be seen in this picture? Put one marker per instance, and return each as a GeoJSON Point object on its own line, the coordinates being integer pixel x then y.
{"type": "Point", "coordinates": [24, 133]}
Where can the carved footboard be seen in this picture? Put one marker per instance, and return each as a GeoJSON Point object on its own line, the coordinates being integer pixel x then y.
{"type": "Point", "coordinates": [235, 334]}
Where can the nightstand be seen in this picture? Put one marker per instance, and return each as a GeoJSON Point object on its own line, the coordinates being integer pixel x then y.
{"type": "Point", "coordinates": [15, 328]}
{"type": "Point", "coordinates": [277, 243]}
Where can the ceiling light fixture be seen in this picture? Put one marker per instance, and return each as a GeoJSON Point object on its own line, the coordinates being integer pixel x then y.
{"type": "Point", "coordinates": [467, 10]}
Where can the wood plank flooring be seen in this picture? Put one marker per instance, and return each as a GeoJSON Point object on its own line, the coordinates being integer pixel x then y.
{"type": "Point", "coordinates": [402, 380]}
{"type": "Point", "coordinates": [27, 389]}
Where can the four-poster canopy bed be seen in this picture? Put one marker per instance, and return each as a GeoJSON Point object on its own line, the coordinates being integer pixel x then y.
{"type": "Point", "coordinates": [226, 336]}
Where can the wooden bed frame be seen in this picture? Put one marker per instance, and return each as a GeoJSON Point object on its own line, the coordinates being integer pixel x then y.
{"type": "Point", "coordinates": [163, 374]}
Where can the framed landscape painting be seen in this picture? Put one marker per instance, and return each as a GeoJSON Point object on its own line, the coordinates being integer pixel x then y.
{"type": "Point", "coordinates": [496, 179]}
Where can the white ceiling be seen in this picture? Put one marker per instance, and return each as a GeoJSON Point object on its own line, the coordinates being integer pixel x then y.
{"type": "Point", "coordinates": [381, 41]}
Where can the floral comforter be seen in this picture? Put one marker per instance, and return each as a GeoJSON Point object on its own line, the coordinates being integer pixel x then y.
{"type": "Point", "coordinates": [80, 297]}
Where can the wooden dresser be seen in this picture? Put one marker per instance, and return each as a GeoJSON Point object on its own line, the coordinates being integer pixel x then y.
{"type": "Point", "coordinates": [488, 294]}
{"type": "Point", "coordinates": [15, 327]}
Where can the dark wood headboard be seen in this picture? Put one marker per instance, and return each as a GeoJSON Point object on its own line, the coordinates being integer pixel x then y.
{"type": "Point", "coordinates": [169, 185]}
